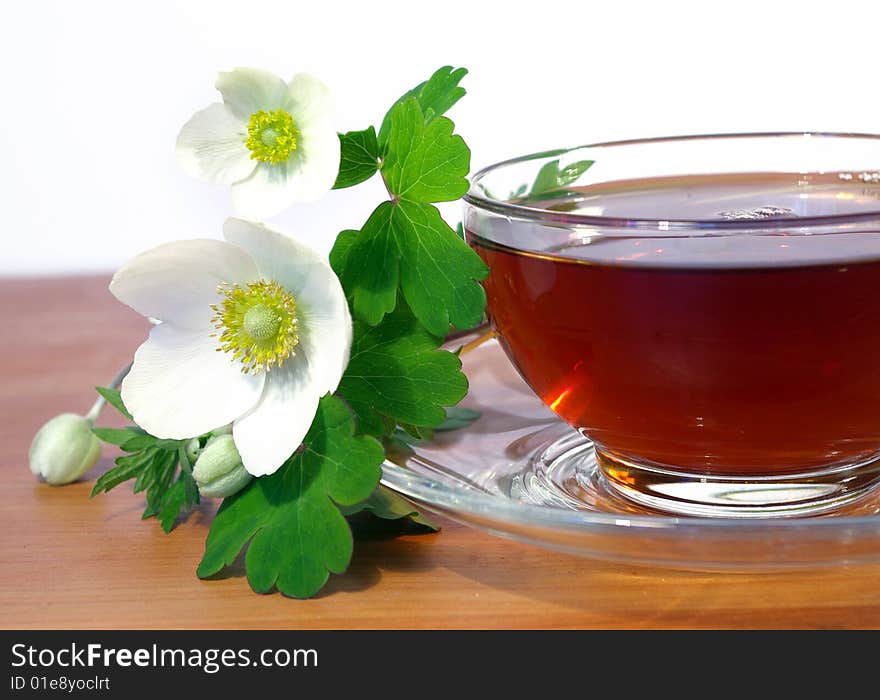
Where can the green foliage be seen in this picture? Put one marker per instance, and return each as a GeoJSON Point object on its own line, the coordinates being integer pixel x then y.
{"type": "Point", "coordinates": [397, 372]}
{"type": "Point", "coordinates": [435, 96]}
{"type": "Point", "coordinates": [439, 272]}
{"type": "Point", "coordinates": [359, 159]}
{"type": "Point", "coordinates": [456, 419]}
{"type": "Point", "coordinates": [180, 496]}
{"type": "Point", "coordinates": [114, 398]}
{"type": "Point", "coordinates": [425, 162]}
{"type": "Point", "coordinates": [153, 467]}
{"type": "Point", "coordinates": [153, 464]}
{"type": "Point", "coordinates": [386, 504]}
{"type": "Point", "coordinates": [408, 245]}
{"type": "Point", "coordinates": [296, 532]}
{"type": "Point", "coordinates": [405, 244]}
{"type": "Point", "coordinates": [552, 179]}
{"type": "Point", "coordinates": [368, 265]}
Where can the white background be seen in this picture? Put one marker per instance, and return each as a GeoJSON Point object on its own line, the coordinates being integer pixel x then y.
{"type": "Point", "coordinates": [93, 94]}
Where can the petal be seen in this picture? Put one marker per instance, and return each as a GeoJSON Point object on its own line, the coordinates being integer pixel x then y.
{"type": "Point", "coordinates": [211, 147]}
{"type": "Point", "coordinates": [325, 322]}
{"type": "Point", "coordinates": [326, 338]}
{"type": "Point", "coordinates": [248, 90]}
{"type": "Point", "coordinates": [308, 99]}
{"type": "Point", "coordinates": [180, 387]}
{"type": "Point", "coordinates": [320, 151]}
{"type": "Point", "coordinates": [308, 175]}
{"type": "Point", "coordinates": [178, 281]}
{"type": "Point", "coordinates": [277, 425]}
{"type": "Point", "coordinates": [285, 259]}
{"type": "Point", "coordinates": [268, 191]}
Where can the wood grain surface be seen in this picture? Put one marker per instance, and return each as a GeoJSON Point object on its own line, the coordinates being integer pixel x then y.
{"type": "Point", "coordinates": [71, 562]}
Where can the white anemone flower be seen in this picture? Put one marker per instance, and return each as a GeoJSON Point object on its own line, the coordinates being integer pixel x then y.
{"type": "Point", "coordinates": [274, 142]}
{"type": "Point", "coordinates": [253, 331]}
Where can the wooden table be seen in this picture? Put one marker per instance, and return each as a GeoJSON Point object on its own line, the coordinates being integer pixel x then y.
{"type": "Point", "coordinates": [71, 562]}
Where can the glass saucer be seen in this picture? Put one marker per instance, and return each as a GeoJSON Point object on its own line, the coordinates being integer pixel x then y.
{"type": "Point", "coordinates": [519, 472]}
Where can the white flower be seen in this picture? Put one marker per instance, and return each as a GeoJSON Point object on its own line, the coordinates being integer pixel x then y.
{"type": "Point", "coordinates": [64, 449]}
{"type": "Point", "coordinates": [274, 142]}
{"type": "Point", "coordinates": [254, 331]}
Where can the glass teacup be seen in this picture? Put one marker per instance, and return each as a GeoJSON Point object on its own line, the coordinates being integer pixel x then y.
{"type": "Point", "coordinates": [705, 309]}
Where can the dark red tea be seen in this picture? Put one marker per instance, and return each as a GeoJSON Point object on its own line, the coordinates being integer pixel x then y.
{"type": "Point", "coordinates": [749, 353]}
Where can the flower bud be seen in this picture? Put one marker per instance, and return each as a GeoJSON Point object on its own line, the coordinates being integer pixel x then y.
{"type": "Point", "coordinates": [193, 447]}
{"type": "Point", "coordinates": [64, 449]}
{"type": "Point", "coordinates": [218, 471]}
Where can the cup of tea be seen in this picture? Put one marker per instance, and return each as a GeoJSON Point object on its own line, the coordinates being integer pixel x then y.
{"type": "Point", "coordinates": [705, 309]}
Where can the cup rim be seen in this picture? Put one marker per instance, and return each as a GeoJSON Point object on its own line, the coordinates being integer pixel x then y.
{"type": "Point", "coordinates": [532, 213]}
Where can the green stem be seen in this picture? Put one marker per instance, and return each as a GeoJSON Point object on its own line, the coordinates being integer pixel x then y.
{"type": "Point", "coordinates": [98, 406]}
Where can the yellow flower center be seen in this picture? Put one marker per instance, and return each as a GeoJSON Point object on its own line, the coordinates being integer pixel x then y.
{"type": "Point", "coordinates": [257, 324]}
{"type": "Point", "coordinates": [271, 136]}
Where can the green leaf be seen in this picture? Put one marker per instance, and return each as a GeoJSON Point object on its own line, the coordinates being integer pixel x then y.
{"type": "Point", "coordinates": [368, 265]}
{"type": "Point", "coordinates": [441, 91]}
{"type": "Point", "coordinates": [410, 245]}
{"type": "Point", "coordinates": [439, 271]}
{"type": "Point", "coordinates": [416, 432]}
{"type": "Point", "coordinates": [123, 437]}
{"type": "Point", "coordinates": [181, 496]}
{"type": "Point", "coordinates": [457, 418]}
{"type": "Point", "coordinates": [339, 252]}
{"type": "Point", "coordinates": [153, 464]}
{"type": "Point", "coordinates": [368, 421]}
{"type": "Point", "coordinates": [424, 163]}
{"type": "Point", "coordinates": [385, 503]}
{"type": "Point", "coordinates": [171, 505]}
{"type": "Point", "coordinates": [397, 371]}
{"type": "Point", "coordinates": [297, 534]}
{"type": "Point", "coordinates": [127, 467]}
{"type": "Point", "coordinates": [114, 398]}
{"type": "Point", "coordinates": [551, 177]}
{"type": "Point", "coordinates": [139, 442]}
{"type": "Point", "coordinates": [182, 457]}
{"type": "Point", "coordinates": [519, 191]}
{"type": "Point", "coordinates": [164, 468]}
{"type": "Point", "coordinates": [435, 96]}
{"type": "Point", "coordinates": [360, 157]}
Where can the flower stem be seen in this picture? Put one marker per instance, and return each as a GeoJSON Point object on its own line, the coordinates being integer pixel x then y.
{"type": "Point", "coordinates": [99, 404]}
{"type": "Point", "coordinates": [393, 197]}
{"type": "Point", "coordinates": [475, 336]}
{"type": "Point", "coordinates": [486, 335]}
